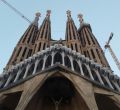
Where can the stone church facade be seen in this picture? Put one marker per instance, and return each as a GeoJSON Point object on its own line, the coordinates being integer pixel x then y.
{"type": "Point", "coordinates": [47, 74]}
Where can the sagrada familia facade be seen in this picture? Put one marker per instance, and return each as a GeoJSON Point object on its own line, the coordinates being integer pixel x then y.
{"type": "Point", "coordinates": [48, 74]}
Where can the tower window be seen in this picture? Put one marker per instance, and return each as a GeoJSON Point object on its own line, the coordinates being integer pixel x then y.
{"type": "Point", "coordinates": [85, 53]}
{"type": "Point", "coordinates": [91, 36]}
{"type": "Point", "coordinates": [92, 53]}
{"type": "Point", "coordinates": [87, 37]}
{"type": "Point", "coordinates": [46, 31]}
{"type": "Point", "coordinates": [76, 48]}
{"type": "Point", "coordinates": [69, 32]}
{"type": "Point", "coordinates": [24, 52]}
{"type": "Point", "coordinates": [73, 32]}
{"type": "Point", "coordinates": [44, 46]}
{"type": "Point", "coordinates": [88, 54]}
{"type": "Point", "coordinates": [34, 37]}
{"type": "Point", "coordinates": [42, 29]}
{"type": "Point", "coordinates": [29, 53]}
{"type": "Point", "coordinates": [71, 46]}
{"type": "Point", "coordinates": [31, 35]}
{"type": "Point", "coordinates": [98, 53]}
{"type": "Point", "coordinates": [83, 39]}
{"type": "Point", "coordinates": [39, 48]}
{"type": "Point", "coordinates": [19, 51]}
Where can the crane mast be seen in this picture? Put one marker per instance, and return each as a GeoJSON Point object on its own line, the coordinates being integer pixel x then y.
{"type": "Point", "coordinates": [107, 46]}
{"type": "Point", "coordinates": [16, 11]}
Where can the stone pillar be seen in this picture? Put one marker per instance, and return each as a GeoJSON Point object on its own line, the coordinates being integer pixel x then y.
{"type": "Point", "coordinates": [71, 60]}
{"type": "Point", "coordinates": [36, 64]}
{"type": "Point", "coordinates": [45, 57]}
{"type": "Point", "coordinates": [99, 77]}
{"type": "Point", "coordinates": [53, 54]}
{"type": "Point", "coordinates": [107, 80]}
{"type": "Point", "coordinates": [79, 62]}
{"type": "Point", "coordinates": [63, 55]}
{"type": "Point", "coordinates": [18, 74]}
{"type": "Point", "coordinates": [89, 72]}
{"type": "Point", "coordinates": [26, 72]}
{"type": "Point", "coordinates": [9, 79]}
{"type": "Point", "coordinates": [116, 85]}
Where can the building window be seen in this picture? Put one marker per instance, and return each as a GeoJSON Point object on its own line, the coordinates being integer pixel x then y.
{"type": "Point", "coordinates": [85, 53]}
{"type": "Point", "coordinates": [76, 48]}
{"type": "Point", "coordinates": [29, 53]}
{"type": "Point", "coordinates": [19, 51]}
{"type": "Point", "coordinates": [24, 52]}
{"type": "Point", "coordinates": [93, 55]}
{"type": "Point", "coordinates": [39, 48]}
{"type": "Point", "coordinates": [87, 37]}
{"type": "Point", "coordinates": [71, 46]}
{"type": "Point", "coordinates": [88, 54]}
{"type": "Point", "coordinates": [44, 46]}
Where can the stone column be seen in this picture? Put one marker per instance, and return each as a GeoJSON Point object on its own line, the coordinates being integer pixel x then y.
{"type": "Point", "coordinates": [45, 57]}
{"type": "Point", "coordinates": [91, 76]}
{"type": "Point", "coordinates": [53, 54]}
{"type": "Point", "coordinates": [63, 55]}
{"type": "Point", "coordinates": [107, 80]}
{"type": "Point", "coordinates": [116, 85]}
{"type": "Point", "coordinates": [71, 60]}
{"type": "Point", "coordinates": [99, 77]}
{"type": "Point", "coordinates": [79, 62]}
{"type": "Point", "coordinates": [26, 72]}
{"type": "Point", "coordinates": [36, 64]}
{"type": "Point", "coordinates": [9, 79]}
{"type": "Point", "coordinates": [18, 74]}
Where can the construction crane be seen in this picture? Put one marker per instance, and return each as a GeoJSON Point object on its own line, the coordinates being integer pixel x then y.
{"type": "Point", "coordinates": [16, 11]}
{"type": "Point", "coordinates": [107, 46]}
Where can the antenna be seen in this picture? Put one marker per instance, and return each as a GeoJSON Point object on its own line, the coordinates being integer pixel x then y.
{"type": "Point", "coordinates": [16, 11]}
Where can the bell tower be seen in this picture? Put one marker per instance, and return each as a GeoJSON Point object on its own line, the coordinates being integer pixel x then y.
{"type": "Point", "coordinates": [25, 46]}
{"type": "Point", "coordinates": [44, 34]}
{"type": "Point", "coordinates": [90, 45]}
{"type": "Point", "coordinates": [72, 36]}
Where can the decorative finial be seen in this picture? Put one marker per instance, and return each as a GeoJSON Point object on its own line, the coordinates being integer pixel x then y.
{"type": "Point", "coordinates": [80, 16]}
{"type": "Point", "coordinates": [68, 13]}
{"type": "Point", "coordinates": [48, 13]}
{"type": "Point", "coordinates": [37, 18]}
{"type": "Point", "coordinates": [38, 14]}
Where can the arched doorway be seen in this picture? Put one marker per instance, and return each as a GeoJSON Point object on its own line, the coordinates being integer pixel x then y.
{"type": "Point", "coordinates": [104, 102]}
{"type": "Point", "coordinates": [11, 101]}
{"type": "Point", "coordinates": [57, 93]}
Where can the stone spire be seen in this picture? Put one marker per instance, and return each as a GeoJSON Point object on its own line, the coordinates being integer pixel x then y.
{"type": "Point", "coordinates": [35, 22]}
{"type": "Point", "coordinates": [80, 16]}
{"type": "Point", "coordinates": [24, 47]}
{"type": "Point", "coordinates": [90, 45]}
{"type": "Point", "coordinates": [44, 34]}
{"type": "Point", "coordinates": [68, 14]}
{"type": "Point", "coordinates": [72, 35]}
{"type": "Point", "coordinates": [48, 13]}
